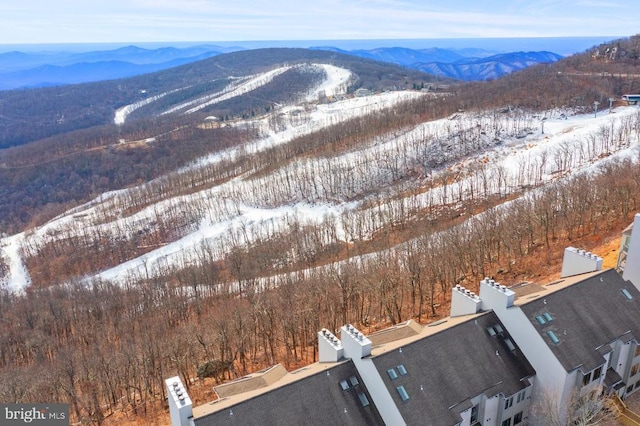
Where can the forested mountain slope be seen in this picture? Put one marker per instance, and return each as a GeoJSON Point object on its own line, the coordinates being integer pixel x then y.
{"type": "Point", "coordinates": [32, 114]}
{"type": "Point", "coordinates": [87, 155]}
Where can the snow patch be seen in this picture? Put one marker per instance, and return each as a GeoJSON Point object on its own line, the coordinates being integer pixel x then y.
{"type": "Point", "coordinates": [336, 83]}
{"type": "Point", "coordinates": [18, 278]}
{"type": "Point", "coordinates": [122, 113]}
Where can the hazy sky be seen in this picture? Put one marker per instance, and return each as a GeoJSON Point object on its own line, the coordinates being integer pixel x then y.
{"type": "Point", "coordinates": [92, 21]}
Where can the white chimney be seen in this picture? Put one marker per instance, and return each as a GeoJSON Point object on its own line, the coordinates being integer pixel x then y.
{"type": "Point", "coordinates": [179, 402]}
{"type": "Point", "coordinates": [632, 267]}
{"type": "Point", "coordinates": [464, 302]}
{"type": "Point", "coordinates": [576, 262]}
{"type": "Point", "coordinates": [356, 345]}
{"type": "Point", "coordinates": [329, 347]}
{"type": "Point", "coordinates": [495, 296]}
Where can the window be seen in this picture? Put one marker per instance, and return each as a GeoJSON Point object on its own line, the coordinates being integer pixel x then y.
{"type": "Point", "coordinates": [354, 381]}
{"type": "Point", "coordinates": [627, 294]}
{"type": "Point", "coordinates": [540, 319]}
{"type": "Point", "coordinates": [553, 337]}
{"type": "Point", "coordinates": [629, 388]}
{"type": "Point", "coordinates": [402, 370]}
{"type": "Point", "coordinates": [392, 374]}
{"type": "Point", "coordinates": [596, 374]}
{"type": "Point", "coordinates": [506, 422]}
{"type": "Point", "coordinates": [491, 331]}
{"type": "Point", "coordinates": [521, 396]}
{"type": "Point", "coordinates": [508, 403]}
{"type": "Point", "coordinates": [403, 393]}
{"type": "Point", "coordinates": [634, 369]}
{"type": "Point", "coordinates": [547, 316]}
{"type": "Point", "coordinates": [344, 384]}
{"type": "Point", "coordinates": [474, 414]}
{"type": "Point", "coordinates": [586, 379]}
{"type": "Point", "coordinates": [510, 345]}
{"type": "Point", "coordinates": [517, 419]}
{"type": "Point", "coordinates": [637, 350]}
{"type": "Point", "coordinates": [498, 328]}
{"type": "Point", "coordinates": [363, 399]}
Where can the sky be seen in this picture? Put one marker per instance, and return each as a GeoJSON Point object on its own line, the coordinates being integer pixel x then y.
{"type": "Point", "coordinates": [115, 21]}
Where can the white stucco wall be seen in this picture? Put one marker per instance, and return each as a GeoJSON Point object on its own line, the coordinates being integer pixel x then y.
{"type": "Point", "coordinates": [466, 418]}
{"type": "Point", "coordinates": [632, 268]}
{"type": "Point", "coordinates": [492, 408]}
{"type": "Point", "coordinates": [631, 361]}
{"type": "Point", "coordinates": [463, 303]}
{"type": "Point", "coordinates": [516, 407]}
{"type": "Point", "coordinates": [180, 410]}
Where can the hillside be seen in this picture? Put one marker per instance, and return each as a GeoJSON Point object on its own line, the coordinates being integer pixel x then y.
{"type": "Point", "coordinates": [39, 178]}
{"type": "Point", "coordinates": [183, 241]}
{"type": "Point", "coordinates": [57, 110]}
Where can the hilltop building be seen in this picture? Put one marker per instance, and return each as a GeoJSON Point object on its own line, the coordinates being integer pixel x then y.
{"type": "Point", "coordinates": [500, 355]}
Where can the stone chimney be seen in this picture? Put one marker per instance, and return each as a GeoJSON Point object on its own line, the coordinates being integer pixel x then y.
{"type": "Point", "coordinates": [179, 402]}
{"type": "Point", "coordinates": [464, 302]}
{"type": "Point", "coordinates": [329, 347]}
{"type": "Point", "coordinates": [576, 262]}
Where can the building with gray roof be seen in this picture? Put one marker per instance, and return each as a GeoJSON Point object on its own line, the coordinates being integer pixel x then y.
{"type": "Point", "coordinates": [494, 361]}
{"type": "Point", "coordinates": [468, 370]}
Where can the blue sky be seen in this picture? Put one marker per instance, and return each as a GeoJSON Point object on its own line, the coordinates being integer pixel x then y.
{"type": "Point", "coordinates": [96, 21]}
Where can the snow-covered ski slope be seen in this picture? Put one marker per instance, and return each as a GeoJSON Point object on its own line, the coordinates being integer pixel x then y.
{"type": "Point", "coordinates": [335, 83]}
{"type": "Point", "coordinates": [358, 192]}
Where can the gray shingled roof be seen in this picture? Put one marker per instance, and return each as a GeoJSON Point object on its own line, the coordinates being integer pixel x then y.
{"type": "Point", "coordinates": [586, 316]}
{"type": "Point", "coordinates": [314, 400]}
{"type": "Point", "coordinates": [448, 368]}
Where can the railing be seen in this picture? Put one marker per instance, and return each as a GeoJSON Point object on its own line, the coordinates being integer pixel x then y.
{"type": "Point", "coordinates": [623, 414]}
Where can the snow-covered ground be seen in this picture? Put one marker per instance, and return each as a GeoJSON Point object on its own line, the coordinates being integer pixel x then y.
{"type": "Point", "coordinates": [514, 158]}
{"type": "Point", "coordinates": [18, 278]}
{"type": "Point", "coordinates": [122, 113]}
{"type": "Point", "coordinates": [506, 153]}
{"type": "Point", "coordinates": [335, 83]}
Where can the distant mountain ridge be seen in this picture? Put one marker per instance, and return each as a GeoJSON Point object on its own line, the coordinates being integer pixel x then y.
{"type": "Point", "coordinates": [15, 60]}
{"type": "Point", "coordinates": [487, 68]}
{"type": "Point", "coordinates": [43, 69]}
{"type": "Point", "coordinates": [84, 72]}
{"type": "Point", "coordinates": [462, 64]}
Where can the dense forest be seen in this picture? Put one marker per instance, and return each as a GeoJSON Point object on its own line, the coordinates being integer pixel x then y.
{"type": "Point", "coordinates": [106, 347]}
